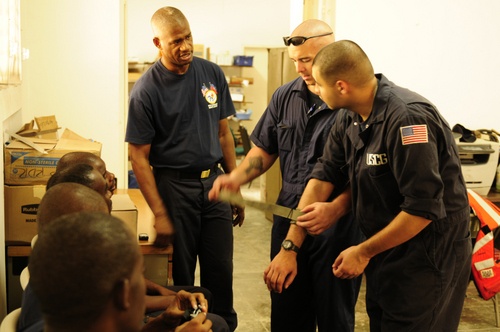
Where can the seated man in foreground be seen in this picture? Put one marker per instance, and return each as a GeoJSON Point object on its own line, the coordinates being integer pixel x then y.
{"type": "Point", "coordinates": [82, 289]}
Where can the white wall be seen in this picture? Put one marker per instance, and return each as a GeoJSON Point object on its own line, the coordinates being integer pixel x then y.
{"type": "Point", "coordinates": [222, 25]}
{"type": "Point", "coordinates": [10, 104]}
{"type": "Point", "coordinates": [76, 70]}
{"type": "Point", "coordinates": [446, 50]}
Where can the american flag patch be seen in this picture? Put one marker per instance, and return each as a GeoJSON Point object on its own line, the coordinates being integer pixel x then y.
{"type": "Point", "coordinates": [414, 134]}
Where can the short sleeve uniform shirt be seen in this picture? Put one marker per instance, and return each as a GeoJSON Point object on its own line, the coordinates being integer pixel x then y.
{"type": "Point", "coordinates": [179, 115]}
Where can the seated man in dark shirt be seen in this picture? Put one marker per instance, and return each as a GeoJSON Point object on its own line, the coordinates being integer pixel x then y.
{"type": "Point", "coordinates": [51, 207]}
{"type": "Point", "coordinates": [87, 271]}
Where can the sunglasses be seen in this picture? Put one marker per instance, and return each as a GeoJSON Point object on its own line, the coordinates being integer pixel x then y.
{"type": "Point", "coordinates": [299, 40]}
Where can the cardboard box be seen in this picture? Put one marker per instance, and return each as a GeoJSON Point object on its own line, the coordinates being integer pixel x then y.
{"type": "Point", "coordinates": [21, 206]}
{"type": "Point", "coordinates": [124, 209]}
{"type": "Point", "coordinates": [33, 160]}
{"type": "Point", "coordinates": [46, 127]}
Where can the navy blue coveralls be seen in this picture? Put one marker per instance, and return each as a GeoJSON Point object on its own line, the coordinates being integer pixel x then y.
{"type": "Point", "coordinates": [316, 294]}
{"type": "Point", "coordinates": [404, 158]}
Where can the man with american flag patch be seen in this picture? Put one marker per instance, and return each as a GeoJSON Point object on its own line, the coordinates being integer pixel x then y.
{"type": "Point", "coordinates": [398, 156]}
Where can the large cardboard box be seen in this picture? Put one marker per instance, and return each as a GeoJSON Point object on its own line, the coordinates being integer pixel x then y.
{"type": "Point", "coordinates": [33, 160]}
{"type": "Point", "coordinates": [124, 209]}
{"type": "Point", "coordinates": [21, 206]}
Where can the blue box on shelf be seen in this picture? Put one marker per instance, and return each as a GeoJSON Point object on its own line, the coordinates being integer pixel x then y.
{"type": "Point", "coordinates": [243, 60]}
{"type": "Point", "coordinates": [244, 115]}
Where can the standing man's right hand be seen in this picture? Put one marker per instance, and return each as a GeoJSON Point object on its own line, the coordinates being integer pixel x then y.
{"type": "Point", "coordinates": [164, 231]}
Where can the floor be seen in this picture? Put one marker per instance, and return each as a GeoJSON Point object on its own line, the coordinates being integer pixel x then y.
{"type": "Point", "coordinates": [252, 303]}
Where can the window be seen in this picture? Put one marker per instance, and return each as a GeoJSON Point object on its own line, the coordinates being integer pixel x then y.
{"type": "Point", "coordinates": [10, 42]}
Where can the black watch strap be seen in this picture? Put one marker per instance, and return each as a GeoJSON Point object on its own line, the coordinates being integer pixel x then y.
{"type": "Point", "coordinates": [289, 245]}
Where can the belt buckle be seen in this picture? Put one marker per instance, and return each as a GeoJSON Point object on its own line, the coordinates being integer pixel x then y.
{"type": "Point", "coordinates": [205, 174]}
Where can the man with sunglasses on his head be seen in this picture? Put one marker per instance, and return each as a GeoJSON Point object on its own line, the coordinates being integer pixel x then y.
{"type": "Point", "coordinates": [294, 128]}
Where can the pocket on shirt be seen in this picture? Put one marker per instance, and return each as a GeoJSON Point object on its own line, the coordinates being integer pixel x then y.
{"type": "Point", "coordinates": [285, 136]}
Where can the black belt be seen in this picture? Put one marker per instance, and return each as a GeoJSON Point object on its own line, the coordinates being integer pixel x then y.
{"type": "Point", "coordinates": [189, 175]}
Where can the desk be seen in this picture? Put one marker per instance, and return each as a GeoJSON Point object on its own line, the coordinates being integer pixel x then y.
{"type": "Point", "coordinates": [145, 224]}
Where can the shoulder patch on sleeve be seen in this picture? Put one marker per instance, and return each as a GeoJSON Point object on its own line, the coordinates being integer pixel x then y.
{"type": "Point", "coordinates": [414, 134]}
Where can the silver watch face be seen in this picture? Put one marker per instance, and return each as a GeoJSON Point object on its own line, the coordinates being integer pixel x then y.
{"type": "Point", "coordinates": [287, 244]}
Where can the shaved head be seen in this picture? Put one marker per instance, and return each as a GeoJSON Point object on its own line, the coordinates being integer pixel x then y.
{"type": "Point", "coordinates": [344, 60]}
{"type": "Point", "coordinates": [81, 157]}
{"type": "Point", "coordinates": [84, 157]}
{"type": "Point", "coordinates": [311, 27]}
{"type": "Point", "coordinates": [305, 51]}
{"type": "Point", "coordinates": [167, 17]}
{"type": "Point", "coordinates": [68, 197]}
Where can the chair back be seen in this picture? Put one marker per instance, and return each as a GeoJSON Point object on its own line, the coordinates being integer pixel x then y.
{"type": "Point", "coordinates": [245, 140]}
{"type": "Point", "coordinates": [24, 278]}
{"type": "Point", "coordinates": [9, 323]}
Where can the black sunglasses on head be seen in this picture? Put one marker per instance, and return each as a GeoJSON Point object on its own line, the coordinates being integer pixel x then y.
{"type": "Point", "coordinates": [299, 40]}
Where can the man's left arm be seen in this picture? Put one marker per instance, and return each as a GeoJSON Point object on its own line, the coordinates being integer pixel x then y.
{"type": "Point", "coordinates": [353, 261]}
{"type": "Point", "coordinates": [282, 270]}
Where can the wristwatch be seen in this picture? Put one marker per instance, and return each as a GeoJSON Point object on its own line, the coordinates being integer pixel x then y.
{"type": "Point", "coordinates": [288, 245]}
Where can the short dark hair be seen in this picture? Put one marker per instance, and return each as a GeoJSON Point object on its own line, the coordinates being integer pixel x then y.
{"type": "Point", "coordinates": [343, 60]}
{"type": "Point", "coordinates": [68, 197]}
{"type": "Point", "coordinates": [77, 263]}
{"type": "Point", "coordinates": [78, 173]}
{"type": "Point", "coordinates": [78, 157]}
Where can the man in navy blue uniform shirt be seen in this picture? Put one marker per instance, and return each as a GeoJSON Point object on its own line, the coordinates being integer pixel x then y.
{"type": "Point", "coordinates": [294, 128]}
{"type": "Point", "coordinates": [178, 135]}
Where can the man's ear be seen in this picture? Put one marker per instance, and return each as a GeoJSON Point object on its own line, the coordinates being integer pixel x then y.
{"type": "Point", "coordinates": [342, 87]}
{"type": "Point", "coordinates": [121, 294]}
{"type": "Point", "coordinates": [156, 41]}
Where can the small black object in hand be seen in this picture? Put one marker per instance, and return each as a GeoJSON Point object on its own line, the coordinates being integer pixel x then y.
{"type": "Point", "coordinates": [191, 313]}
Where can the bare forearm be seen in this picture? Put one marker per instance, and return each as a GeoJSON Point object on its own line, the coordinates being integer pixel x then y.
{"type": "Point", "coordinates": [158, 302]}
{"type": "Point", "coordinates": [315, 191]}
{"type": "Point", "coordinates": [228, 152]}
{"type": "Point", "coordinates": [147, 184]}
{"type": "Point", "coordinates": [401, 229]}
{"type": "Point", "coordinates": [139, 157]}
{"type": "Point", "coordinates": [256, 162]}
{"type": "Point", "coordinates": [341, 205]}
{"type": "Point", "coordinates": [153, 288]}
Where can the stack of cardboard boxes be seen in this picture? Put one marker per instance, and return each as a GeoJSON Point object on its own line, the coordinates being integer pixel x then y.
{"type": "Point", "coordinates": [30, 158]}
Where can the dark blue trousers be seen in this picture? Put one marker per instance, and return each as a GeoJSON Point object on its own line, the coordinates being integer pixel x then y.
{"type": "Point", "coordinates": [420, 285]}
{"type": "Point", "coordinates": [316, 296]}
{"type": "Point", "coordinates": [204, 231]}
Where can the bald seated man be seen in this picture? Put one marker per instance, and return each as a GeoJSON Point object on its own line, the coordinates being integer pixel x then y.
{"type": "Point", "coordinates": [81, 198]}
{"type": "Point", "coordinates": [84, 174]}
{"type": "Point", "coordinates": [77, 197]}
{"type": "Point", "coordinates": [84, 157]}
{"type": "Point", "coordinates": [87, 271]}
{"type": "Point", "coordinates": [158, 297]}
